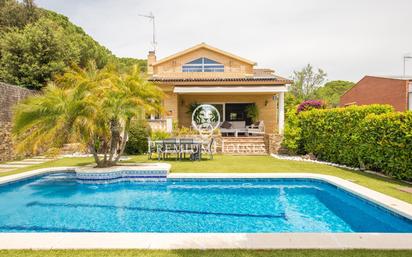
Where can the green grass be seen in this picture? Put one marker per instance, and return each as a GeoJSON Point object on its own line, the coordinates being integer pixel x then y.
{"type": "Point", "coordinates": [207, 253]}
{"type": "Point", "coordinates": [253, 164]}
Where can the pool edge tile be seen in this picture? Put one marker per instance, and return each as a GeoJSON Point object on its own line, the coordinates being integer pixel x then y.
{"type": "Point", "coordinates": [170, 241]}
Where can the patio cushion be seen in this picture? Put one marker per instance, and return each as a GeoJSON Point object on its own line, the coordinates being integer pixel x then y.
{"type": "Point", "coordinates": [239, 125]}
{"type": "Point", "coordinates": [226, 125]}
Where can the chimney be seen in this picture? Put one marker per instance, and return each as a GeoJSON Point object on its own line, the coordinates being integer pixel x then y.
{"type": "Point", "coordinates": [151, 58]}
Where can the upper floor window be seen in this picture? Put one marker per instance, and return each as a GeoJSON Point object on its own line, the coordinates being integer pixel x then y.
{"type": "Point", "coordinates": [203, 65]}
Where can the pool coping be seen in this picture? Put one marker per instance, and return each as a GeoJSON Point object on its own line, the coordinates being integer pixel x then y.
{"type": "Point", "coordinates": [220, 240]}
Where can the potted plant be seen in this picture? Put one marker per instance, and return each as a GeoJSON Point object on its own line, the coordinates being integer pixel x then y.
{"type": "Point", "coordinates": [252, 112]}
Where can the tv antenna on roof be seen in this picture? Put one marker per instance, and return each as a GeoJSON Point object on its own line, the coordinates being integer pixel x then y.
{"type": "Point", "coordinates": [152, 18]}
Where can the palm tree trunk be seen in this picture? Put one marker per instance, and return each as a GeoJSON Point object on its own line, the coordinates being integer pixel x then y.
{"type": "Point", "coordinates": [95, 156]}
{"type": "Point", "coordinates": [124, 141]}
{"type": "Point", "coordinates": [105, 154]}
{"type": "Point", "coordinates": [122, 147]}
{"type": "Point", "coordinates": [114, 139]}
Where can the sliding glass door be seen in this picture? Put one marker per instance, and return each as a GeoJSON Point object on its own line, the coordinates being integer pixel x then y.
{"type": "Point", "coordinates": [237, 112]}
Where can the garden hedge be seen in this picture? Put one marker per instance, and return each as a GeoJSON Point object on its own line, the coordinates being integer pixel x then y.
{"type": "Point", "coordinates": [385, 143]}
{"type": "Point", "coordinates": [373, 137]}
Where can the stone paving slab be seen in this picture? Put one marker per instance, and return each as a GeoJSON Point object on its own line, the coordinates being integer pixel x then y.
{"type": "Point", "coordinates": [23, 163]}
{"type": "Point", "coordinates": [13, 166]}
{"type": "Point", "coordinates": [42, 158]}
{"type": "Point", "coordinates": [34, 159]}
{"type": "Point", "coordinates": [2, 170]}
{"type": "Point", "coordinates": [205, 241]}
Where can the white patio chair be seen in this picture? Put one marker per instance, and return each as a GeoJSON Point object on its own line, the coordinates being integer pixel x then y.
{"type": "Point", "coordinates": [256, 128]}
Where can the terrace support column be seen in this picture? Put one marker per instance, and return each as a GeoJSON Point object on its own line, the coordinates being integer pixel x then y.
{"type": "Point", "coordinates": [281, 114]}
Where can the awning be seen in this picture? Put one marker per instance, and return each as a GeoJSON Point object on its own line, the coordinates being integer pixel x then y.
{"type": "Point", "coordinates": [231, 89]}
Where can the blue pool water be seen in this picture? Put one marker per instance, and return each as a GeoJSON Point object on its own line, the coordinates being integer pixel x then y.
{"type": "Point", "coordinates": [59, 203]}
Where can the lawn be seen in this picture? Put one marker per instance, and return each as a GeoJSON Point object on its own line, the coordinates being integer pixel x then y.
{"type": "Point", "coordinates": [208, 253]}
{"type": "Point", "coordinates": [228, 163]}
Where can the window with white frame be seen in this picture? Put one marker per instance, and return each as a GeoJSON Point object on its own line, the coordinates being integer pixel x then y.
{"type": "Point", "coordinates": [203, 65]}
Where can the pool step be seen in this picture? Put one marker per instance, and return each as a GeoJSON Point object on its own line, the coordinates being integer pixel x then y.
{"type": "Point", "coordinates": [149, 172]}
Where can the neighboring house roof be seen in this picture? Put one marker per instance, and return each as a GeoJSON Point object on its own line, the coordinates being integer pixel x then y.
{"type": "Point", "coordinates": [409, 78]}
{"type": "Point", "coordinates": [379, 77]}
{"type": "Point", "coordinates": [206, 46]}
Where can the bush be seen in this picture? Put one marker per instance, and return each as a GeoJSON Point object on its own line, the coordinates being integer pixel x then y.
{"type": "Point", "coordinates": [311, 104]}
{"type": "Point", "coordinates": [159, 135]}
{"type": "Point", "coordinates": [184, 132]}
{"type": "Point", "coordinates": [291, 136]}
{"type": "Point", "coordinates": [385, 143]}
{"type": "Point", "coordinates": [331, 134]}
{"type": "Point", "coordinates": [138, 134]}
{"type": "Point", "coordinates": [372, 136]}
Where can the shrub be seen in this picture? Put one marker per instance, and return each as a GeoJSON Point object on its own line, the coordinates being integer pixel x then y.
{"type": "Point", "coordinates": [373, 136]}
{"type": "Point", "coordinates": [291, 136]}
{"type": "Point", "coordinates": [184, 132]}
{"type": "Point", "coordinates": [311, 104]}
{"type": "Point", "coordinates": [385, 143]}
{"type": "Point", "coordinates": [159, 135]}
{"type": "Point", "coordinates": [138, 134]}
{"type": "Point", "coordinates": [252, 112]}
{"type": "Point", "coordinates": [331, 134]}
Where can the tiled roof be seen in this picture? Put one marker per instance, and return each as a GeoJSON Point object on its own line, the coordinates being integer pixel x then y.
{"type": "Point", "coordinates": [409, 78]}
{"type": "Point", "coordinates": [258, 75]}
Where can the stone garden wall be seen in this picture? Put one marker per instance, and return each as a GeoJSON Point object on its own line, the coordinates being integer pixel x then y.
{"type": "Point", "coordinates": [273, 143]}
{"type": "Point", "coordinates": [9, 96]}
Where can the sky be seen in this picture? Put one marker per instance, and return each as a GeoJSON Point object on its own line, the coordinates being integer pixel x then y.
{"type": "Point", "coordinates": [348, 39]}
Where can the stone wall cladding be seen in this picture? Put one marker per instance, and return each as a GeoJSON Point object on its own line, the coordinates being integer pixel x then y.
{"type": "Point", "coordinates": [273, 143]}
{"type": "Point", "coordinates": [9, 96]}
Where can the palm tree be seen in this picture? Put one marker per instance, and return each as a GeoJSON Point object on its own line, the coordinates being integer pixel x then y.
{"type": "Point", "coordinates": [91, 106]}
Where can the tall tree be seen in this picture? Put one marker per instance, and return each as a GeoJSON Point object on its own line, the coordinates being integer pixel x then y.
{"type": "Point", "coordinates": [91, 106]}
{"type": "Point", "coordinates": [306, 81]}
{"type": "Point", "coordinates": [32, 55]}
{"type": "Point", "coordinates": [33, 49]}
{"type": "Point", "coordinates": [15, 14]}
{"type": "Point", "coordinates": [332, 91]}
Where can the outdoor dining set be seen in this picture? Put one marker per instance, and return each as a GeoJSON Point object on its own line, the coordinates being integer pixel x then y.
{"type": "Point", "coordinates": [181, 147]}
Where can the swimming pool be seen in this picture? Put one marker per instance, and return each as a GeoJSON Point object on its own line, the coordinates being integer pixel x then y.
{"type": "Point", "coordinates": [59, 203]}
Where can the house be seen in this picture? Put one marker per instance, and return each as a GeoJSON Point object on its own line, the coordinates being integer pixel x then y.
{"type": "Point", "coordinates": [205, 74]}
{"type": "Point", "coordinates": [396, 91]}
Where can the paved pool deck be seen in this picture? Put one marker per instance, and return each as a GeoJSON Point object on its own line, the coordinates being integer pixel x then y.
{"type": "Point", "coordinates": [220, 240]}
